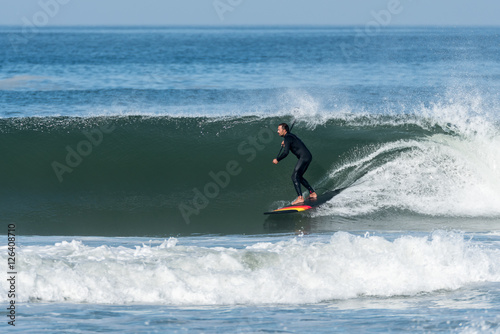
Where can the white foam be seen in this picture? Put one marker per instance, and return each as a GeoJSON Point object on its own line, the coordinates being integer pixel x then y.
{"type": "Point", "coordinates": [441, 175]}
{"type": "Point", "coordinates": [289, 272]}
{"type": "Point", "coordinates": [453, 174]}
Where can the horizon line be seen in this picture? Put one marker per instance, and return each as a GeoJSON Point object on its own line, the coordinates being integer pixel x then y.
{"type": "Point", "coordinates": [445, 25]}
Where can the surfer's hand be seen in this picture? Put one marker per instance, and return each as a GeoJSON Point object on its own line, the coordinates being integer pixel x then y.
{"type": "Point", "coordinates": [283, 143]}
{"type": "Point", "coordinates": [275, 161]}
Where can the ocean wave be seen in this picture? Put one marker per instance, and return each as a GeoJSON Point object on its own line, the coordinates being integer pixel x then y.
{"type": "Point", "coordinates": [295, 271]}
{"type": "Point", "coordinates": [201, 174]}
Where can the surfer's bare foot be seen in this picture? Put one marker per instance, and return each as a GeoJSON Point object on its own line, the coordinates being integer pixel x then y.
{"type": "Point", "coordinates": [299, 200]}
{"type": "Point", "coordinates": [313, 196]}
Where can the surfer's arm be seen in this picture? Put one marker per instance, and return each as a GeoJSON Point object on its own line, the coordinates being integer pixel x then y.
{"type": "Point", "coordinates": [286, 150]}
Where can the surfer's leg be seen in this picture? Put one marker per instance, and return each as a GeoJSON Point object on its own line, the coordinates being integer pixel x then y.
{"type": "Point", "coordinates": [303, 181]}
{"type": "Point", "coordinates": [300, 169]}
{"type": "Point", "coordinates": [307, 185]}
{"type": "Point", "coordinates": [296, 180]}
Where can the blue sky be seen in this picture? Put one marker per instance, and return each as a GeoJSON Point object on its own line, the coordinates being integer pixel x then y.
{"type": "Point", "coordinates": [249, 12]}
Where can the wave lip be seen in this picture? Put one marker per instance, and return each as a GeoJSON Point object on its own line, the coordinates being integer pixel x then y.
{"type": "Point", "coordinates": [286, 272]}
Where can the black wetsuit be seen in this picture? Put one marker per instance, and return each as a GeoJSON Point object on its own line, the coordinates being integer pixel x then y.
{"type": "Point", "coordinates": [297, 147]}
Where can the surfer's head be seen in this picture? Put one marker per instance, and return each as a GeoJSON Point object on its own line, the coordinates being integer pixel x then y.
{"type": "Point", "coordinates": [283, 129]}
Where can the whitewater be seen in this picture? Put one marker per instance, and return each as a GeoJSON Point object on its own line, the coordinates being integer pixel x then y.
{"type": "Point", "coordinates": [282, 270]}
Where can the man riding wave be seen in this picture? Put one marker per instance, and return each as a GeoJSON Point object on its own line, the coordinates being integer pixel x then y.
{"type": "Point", "coordinates": [292, 143]}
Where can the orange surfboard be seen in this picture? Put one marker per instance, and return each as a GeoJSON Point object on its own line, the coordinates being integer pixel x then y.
{"type": "Point", "coordinates": [308, 204]}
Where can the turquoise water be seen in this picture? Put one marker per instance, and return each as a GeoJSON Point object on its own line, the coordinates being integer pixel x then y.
{"type": "Point", "coordinates": [137, 166]}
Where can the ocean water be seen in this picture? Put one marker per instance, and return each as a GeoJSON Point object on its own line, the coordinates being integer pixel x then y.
{"type": "Point", "coordinates": [137, 166]}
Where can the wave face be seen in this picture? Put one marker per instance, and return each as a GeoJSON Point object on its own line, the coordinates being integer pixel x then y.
{"type": "Point", "coordinates": [158, 175]}
{"type": "Point", "coordinates": [296, 271]}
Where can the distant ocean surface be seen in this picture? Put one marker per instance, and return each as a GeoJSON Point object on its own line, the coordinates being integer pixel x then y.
{"type": "Point", "coordinates": [137, 162]}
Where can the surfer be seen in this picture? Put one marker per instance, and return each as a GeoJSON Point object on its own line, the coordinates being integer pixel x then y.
{"type": "Point", "coordinates": [292, 143]}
